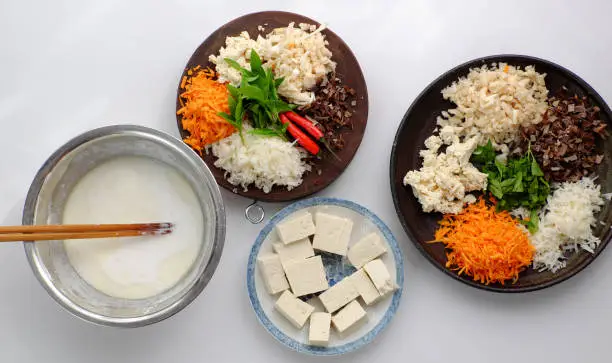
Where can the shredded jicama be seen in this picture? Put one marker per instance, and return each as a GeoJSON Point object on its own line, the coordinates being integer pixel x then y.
{"type": "Point", "coordinates": [203, 99]}
{"type": "Point", "coordinates": [488, 245]}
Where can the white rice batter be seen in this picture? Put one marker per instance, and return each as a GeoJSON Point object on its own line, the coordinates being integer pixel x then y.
{"type": "Point", "coordinates": [134, 190]}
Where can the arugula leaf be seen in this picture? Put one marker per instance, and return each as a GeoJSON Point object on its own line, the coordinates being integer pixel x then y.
{"type": "Point", "coordinates": [233, 91]}
{"type": "Point", "coordinates": [534, 222]}
{"type": "Point", "coordinates": [517, 183]}
{"type": "Point", "coordinates": [257, 98]}
{"type": "Point", "coordinates": [508, 183]}
{"type": "Point", "coordinates": [248, 91]}
{"type": "Point", "coordinates": [501, 168]}
{"type": "Point", "coordinates": [484, 154]}
{"type": "Point", "coordinates": [231, 102]}
{"type": "Point", "coordinates": [496, 189]}
{"type": "Point", "coordinates": [230, 119]}
{"type": "Point", "coordinates": [251, 79]}
{"type": "Point", "coordinates": [239, 111]}
{"type": "Point", "coordinates": [255, 63]}
{"type": "Point", "coordinates": [264, 132]}
{"type": "Point", "coordinates": [535, 168]}
{"type": "Point", "coordinates": [281, 106]}
{"type": "Point", "coordinates": [232, 63]}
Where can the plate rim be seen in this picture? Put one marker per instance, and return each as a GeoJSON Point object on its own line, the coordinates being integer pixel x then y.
{"type": "Point", "coordinates": [273, 329]}
{"type": "Point", "coordinates": [281, 197]}
{"type": "Point", "coordinates": [392, 165]}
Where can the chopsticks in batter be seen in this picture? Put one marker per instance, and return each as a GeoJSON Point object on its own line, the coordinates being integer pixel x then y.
{"type": "Point", "coordinates": [81, 231]}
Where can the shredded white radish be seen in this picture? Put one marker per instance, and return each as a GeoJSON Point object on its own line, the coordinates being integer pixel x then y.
{"type": "Point", "coordinates": [264, 161]}
{"type": "Point", "coordinates": [566, 222]}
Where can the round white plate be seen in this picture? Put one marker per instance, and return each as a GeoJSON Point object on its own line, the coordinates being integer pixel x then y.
{"type": "Point", "coordinates": [379, 315]}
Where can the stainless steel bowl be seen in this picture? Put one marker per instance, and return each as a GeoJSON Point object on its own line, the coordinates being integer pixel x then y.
{"type": "Point", "coordinates": [45, 204]}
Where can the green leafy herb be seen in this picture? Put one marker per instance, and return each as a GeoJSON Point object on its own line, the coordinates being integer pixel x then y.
{"type": "Point", "coordinates": [517, 183]}
{"type": "Point", "coordinates": [256, 99]}
{"type": "Point", "coordinates": [483, 154]}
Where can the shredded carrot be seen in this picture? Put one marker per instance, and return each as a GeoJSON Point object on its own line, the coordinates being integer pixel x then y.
{"type": "Point", "coordinates": [485, 244]}
{"type": "Point", "coordinates": [506, 68]}
{"type": "Point", "coordinates": [203, 98]}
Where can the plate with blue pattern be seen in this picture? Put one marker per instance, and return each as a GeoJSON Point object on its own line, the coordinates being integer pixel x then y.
{"type": "Point", "coordinates": [336, 268]}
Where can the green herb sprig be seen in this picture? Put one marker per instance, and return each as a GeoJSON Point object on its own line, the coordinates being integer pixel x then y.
{"type": "Point", "coordinates": [256, 99]}
{"type": "Point", "coordinates": [517, 183]}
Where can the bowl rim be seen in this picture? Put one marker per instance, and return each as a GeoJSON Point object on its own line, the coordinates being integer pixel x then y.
{"type": "Point", "coordinates": [183, 300]}
{"type": "Point", "coordinates": [392, 166]}
{"type": "Point", "coordinates": [302, 347]}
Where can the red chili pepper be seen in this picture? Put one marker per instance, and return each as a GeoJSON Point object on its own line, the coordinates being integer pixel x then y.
{"type": "Point", "coordinates": [302, 139]}
{"type": "Point", "coordinates": [306, 124]}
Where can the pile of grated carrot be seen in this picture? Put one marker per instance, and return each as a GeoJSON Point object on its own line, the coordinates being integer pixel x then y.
{"type": "Point", "coordinates": [486, 244]}
{"type": "Point", "coordinates": [202, 99]}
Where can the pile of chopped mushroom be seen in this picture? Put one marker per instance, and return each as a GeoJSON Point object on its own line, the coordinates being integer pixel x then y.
{"type": "Point", "coordinates": [332, 109]}
{"type": "Point", "coordinates": [564, 143]}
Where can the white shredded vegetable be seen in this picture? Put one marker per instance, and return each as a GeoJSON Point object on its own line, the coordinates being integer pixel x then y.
{"type": "Point", "coordinates": [264, 161]}
{"type": "Point", "coordinates": [566, 222]}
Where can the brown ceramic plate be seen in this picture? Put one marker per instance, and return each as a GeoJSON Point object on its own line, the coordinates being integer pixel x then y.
{"type": "Point", "coordinates": [418, 124]}
{"type": "Point", "coordinates": [347, 68]}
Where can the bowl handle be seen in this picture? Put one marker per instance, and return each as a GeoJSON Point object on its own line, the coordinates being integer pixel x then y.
{"type": "Point", "coordinates": [254, 213]}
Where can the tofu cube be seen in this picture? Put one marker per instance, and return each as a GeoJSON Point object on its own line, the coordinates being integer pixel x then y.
{"type": "Point", "coordinates": [350, 317]}
{"type": "Point", "coordinates": [293, 309]}
{"type": "Point", "coordinates": [306, 276]}
{"type": "Point", "coordinates": [299, 250]}
{"type": "Point", "coordinates": [339, 295]}
{"type": "Point", "coordinates": [272, 273]}
{"type": "Point", "coordinates": [320, 325]}
{"type": "Point", "coordinates": [366, 249]}
{"type": "Point", "coordinates": [332, 233]}
{"type": "Point", "coordinates": [380, 276]}
{"type": "Point", "coordinates": [368, 292]}
{"type": "Point", "coordinates": [296, 228]}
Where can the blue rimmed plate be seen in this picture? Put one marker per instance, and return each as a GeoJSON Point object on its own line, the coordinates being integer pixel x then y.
{"type": "Point", "coordinates": [379, 314]}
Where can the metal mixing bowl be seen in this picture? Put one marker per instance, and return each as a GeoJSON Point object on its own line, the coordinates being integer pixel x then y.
{"type": "Point", "coordinates": [45, 203]}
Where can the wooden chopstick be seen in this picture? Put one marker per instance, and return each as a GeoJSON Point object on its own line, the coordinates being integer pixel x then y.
{"type": "Point", "coordinates": [84, 227]}
{"type": "Point", "coordinates": [84, 231]}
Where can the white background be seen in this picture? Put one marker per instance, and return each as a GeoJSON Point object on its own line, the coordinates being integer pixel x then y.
{"type": "Point", "coordinates": [70, 66]}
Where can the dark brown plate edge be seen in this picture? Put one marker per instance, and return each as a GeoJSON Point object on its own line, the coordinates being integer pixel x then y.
{"type": "Point", "coordinates": [396, 202]}
{"type": "Point", "coordinates": [283, 195]}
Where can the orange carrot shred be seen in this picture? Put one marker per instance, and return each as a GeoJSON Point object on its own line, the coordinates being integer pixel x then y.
{"type": "Point", "coordinates": [506, 68]}
{"type": "Point", "coordinates": [485, 244]}
{"type": "Point", "coordinates": [203, 99]}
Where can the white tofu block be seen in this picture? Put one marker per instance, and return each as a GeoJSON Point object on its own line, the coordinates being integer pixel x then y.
{"type": "Point", "coordinates": [296, 228]}
{"type": "Point", "coordinates": [320, 325]}
{"type": "Point", "coordinates": [298, 250]}
{"type": "Point", "coordinates": [339, 295]}
{"type": "Point", "coordinates": [368, 292]}
{"type": "Point", "coordinates": [350, 317]}
{"type": "Point", "coordinates": [306, 276]}
{"type": "Point", "coordinates": [366, 249]}
{"type": "Point", "coordinates": [293, 309]}
{"type": "Point", "coordinates": [380, 276]}
{"type": "Point", "coordinates": [272, 273]}
{"type": "Point", "coordinates": [332, 233]}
